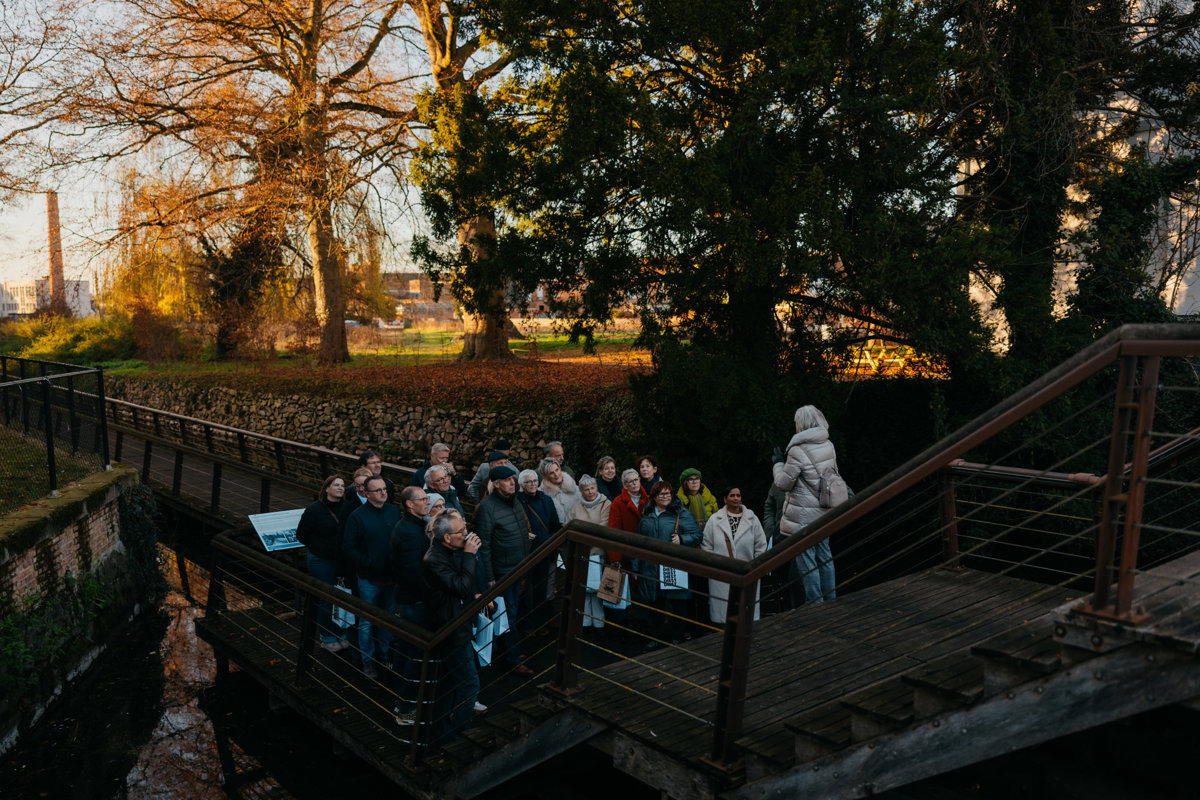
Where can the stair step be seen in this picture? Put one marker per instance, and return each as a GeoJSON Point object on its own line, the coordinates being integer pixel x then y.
{"type": "Point", "coordinates": [879, 709]}
{"type": "Point", "coordinates": [532, 711]}
{"type": "Point", "coordinates": [505, 722]}
{"type": "Point", "coordinates": [1017, 655]}
{"type": "Point", "coordinates": [769, 753]}
{"type": "Point", "coordinates": [944, 684]}
{"type": "Point", "coordinates": [823, 731]}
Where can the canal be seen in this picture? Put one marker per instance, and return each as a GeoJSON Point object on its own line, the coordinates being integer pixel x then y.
{"type": "Point", "coordinates": [147, 721]}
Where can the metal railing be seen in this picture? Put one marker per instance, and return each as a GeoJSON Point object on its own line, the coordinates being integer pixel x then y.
{"type": "Point", "coordinates": [1054, 524]}
{"type": "Point", "coordinates": [52, 427]}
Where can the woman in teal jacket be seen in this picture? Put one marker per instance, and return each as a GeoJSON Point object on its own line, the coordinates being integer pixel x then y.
{"type": "Point", "coordinates": [664, 518]}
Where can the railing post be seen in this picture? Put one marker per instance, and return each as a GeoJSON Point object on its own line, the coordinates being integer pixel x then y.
{"type": "Point", "coordinates": [102, 418]}
{"type": "Point", "coordinates": [24, 406]}
{"type": "Point", "coordinates": [215, 500]}
{"type": "Point", "coordinates": [1131, 536]}
{"type": "Point", "coordinates": [4, 390]}
{"type": "Point", "coordinates": [264, 495]}
{"type": "Point", "coordinates": [949, 510]}
{"type": "Point", "coordinates": [48, 425]}
{"type": "Point", "coordinates": [572, 618]}
{"type": "Point", "coordinates": [1114, 498]}
{"type": "Point", "coordinates": [734, 670]}
{"type": "Point", "coordinates": [147, 454]}
{"type": "Point", "coordinates": [177, 474]}
{"type": "Point", "coordinates": [72, 425]}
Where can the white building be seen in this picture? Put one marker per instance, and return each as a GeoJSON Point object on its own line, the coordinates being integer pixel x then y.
{"type": "Point", "coordinates": [23, 298]}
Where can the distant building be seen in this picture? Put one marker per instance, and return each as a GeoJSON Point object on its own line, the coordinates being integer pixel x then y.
{"type": "Point", "coordinates": [26, 298]}
{"type": "Point", "coordinates": [413, 292]}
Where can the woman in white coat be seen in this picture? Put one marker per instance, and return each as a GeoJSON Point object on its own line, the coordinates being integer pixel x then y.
{"type": "Point", "coordinates": [733, 531]}
{"type": "Point", "coordinates": [810, 455]}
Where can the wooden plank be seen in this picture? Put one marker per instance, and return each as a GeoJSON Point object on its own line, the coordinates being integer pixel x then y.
{"type": "Point", "coordinates": [556, 735]}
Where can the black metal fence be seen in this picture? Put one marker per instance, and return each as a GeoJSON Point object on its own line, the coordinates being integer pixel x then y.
{"type": "Point", "coordinates": [53, 427]}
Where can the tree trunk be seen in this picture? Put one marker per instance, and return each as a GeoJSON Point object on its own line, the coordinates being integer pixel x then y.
{"type": "Point", "coordinates": [485, 333]}
{"type": "Point", "coordinates": [327, 286]}
{"type": "Point", "coordinates": [329, 295]}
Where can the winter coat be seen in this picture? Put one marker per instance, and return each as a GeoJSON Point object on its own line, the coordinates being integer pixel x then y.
{"type": "Point", "coordinates": [610, 489]}
{"type": "Point", "coordinates": [542, 515]}
{"type": "Point", "coordinates": [773, 513]}
{"type": "Point", "coordinates": [504, 529]}
{"type": "Point", "coordinates": [320, 531]}
{"type": "Point", "coordinates": [702, 504]}
{"type": "Point", "coordinates": [477, 488]}
{"type": "Point", "coordinates": [367, 541]}
{"type": "Point", "coordinates": [674, 519]}
{"type": "Point", "coordinates": [749, 543]}
{"type": "Point", "coordinates": [408, 544]}
{"type": "Point", "coordinates": [626, 515]}
{"type": "Point", "coordinates": [449, 581]}
{"type": "Point", "coordinates": [564, 496]}
{"type": "Point", "coordinates": [597, 514]}
{"type": "Point", "coordinates": [809, 454]}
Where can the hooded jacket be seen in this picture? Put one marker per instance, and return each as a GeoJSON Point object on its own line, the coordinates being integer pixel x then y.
{"type": "Point", "coordinates": [809, 454]}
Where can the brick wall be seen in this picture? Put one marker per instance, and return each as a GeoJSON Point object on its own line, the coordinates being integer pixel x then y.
{"type": "Point", "coordinates": [70, 535]}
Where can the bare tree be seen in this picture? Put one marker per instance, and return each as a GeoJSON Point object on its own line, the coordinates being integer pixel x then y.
{"type": "Point", "coordinates": [280, 104]}
{"type": "Point", "coordinates": [33, 36]}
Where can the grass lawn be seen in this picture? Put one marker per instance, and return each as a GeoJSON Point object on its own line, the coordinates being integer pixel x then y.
{"type": "Point", "coordinates": [23, 474]}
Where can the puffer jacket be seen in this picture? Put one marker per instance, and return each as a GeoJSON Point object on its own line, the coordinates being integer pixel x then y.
{"type": "Point", "coordinates": [504, 529]}
{"type": "Point", "coordinates": [809, 454]}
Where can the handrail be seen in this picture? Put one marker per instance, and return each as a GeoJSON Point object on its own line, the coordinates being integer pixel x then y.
{"type": "Point", "coordinates": [1179, 339]}
{"type": "Point", "coordinates": [243, 431]}
{"type": "Point", "coordinates": [1039, 477]}
{"type": "Point", "coordinates": [53, 376]}
{"type": "Point", "coordinates": [697, 561]}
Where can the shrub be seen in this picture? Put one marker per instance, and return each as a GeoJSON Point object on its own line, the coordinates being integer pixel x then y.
{"type": "Point", "coordinates": [86, 341]}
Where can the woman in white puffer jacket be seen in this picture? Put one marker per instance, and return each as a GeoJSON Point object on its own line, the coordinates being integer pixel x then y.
{"type": "Point", "coordinates": [809, 455]}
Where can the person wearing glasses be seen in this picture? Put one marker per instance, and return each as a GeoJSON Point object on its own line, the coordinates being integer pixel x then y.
{"type": "Point", "coordinates": [450, 573]}
{"type": "Point", "coordinates": [367, 543]}
{"type": "Point", "coordinates": [664, 518]}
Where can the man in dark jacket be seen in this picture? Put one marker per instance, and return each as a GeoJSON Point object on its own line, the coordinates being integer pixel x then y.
{"type": "Point", "coordinates": [448, 573]}
{"type": "Point", "coordinates": [437, 479]}
{"type": "Point", "coordinates": [367, 543]}
{"type": "Point", "coordinates": [408, 550]}
{"type": "Point", "coordinates": [503, 528]}
{"type": "Point", "coordinates": [439, 454]}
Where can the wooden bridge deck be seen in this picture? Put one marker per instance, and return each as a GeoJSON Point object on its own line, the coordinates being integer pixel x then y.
{"type": "Point", "coordinates": [806, 658]}
{"type": "Point", "coordinates": [657, 706]}
{"type": "Point", "coordinates": [843, 699]}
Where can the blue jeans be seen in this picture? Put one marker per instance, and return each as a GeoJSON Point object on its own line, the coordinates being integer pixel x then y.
{"type": "Point", "coordinates": [385, 598]}
{"type": "Point", "coordinates": [408, 659]}
{"type": "Point", "coordinates": [457, 689]}
{"type": "Point", "coordinates": [324, 569]}
{"type": "Point", "coordinates": [816, 571]}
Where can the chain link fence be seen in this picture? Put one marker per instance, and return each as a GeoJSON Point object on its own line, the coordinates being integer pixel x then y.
{"type": "Point", "coordinates": [52, 428]}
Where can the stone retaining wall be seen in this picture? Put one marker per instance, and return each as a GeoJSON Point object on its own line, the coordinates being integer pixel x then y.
{"type": "Point", "coordinates": [403, 434]}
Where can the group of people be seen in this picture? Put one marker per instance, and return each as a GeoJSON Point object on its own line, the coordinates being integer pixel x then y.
{"type": "Point", "coordinates": [410, 552]}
